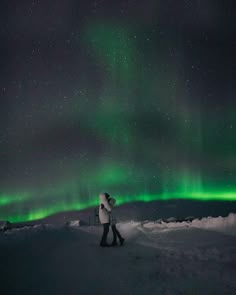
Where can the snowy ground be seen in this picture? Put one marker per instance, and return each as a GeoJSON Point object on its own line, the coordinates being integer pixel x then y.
{"type": "Point", "coordinates": [158, 258]}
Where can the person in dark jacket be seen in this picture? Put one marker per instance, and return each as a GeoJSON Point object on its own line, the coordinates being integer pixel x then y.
{"type": "Point", "coordinates": [116, 233]}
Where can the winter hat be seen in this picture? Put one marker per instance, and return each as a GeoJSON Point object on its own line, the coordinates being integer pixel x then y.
{"type": "Point", "coordinates": [107, 196]}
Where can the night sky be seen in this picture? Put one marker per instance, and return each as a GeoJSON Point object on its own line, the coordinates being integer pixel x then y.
{"type": "Point", "coordinates": [136, 98]}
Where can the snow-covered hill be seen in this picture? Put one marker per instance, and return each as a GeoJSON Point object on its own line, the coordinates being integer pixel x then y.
{"type": "Point", "coordinates": [197, 257]}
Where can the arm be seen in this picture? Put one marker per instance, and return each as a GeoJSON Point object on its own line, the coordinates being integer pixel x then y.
{"type": "Point", "coordinates": [103, 201]}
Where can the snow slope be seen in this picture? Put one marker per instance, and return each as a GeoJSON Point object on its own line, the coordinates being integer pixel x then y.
{"type": "Point", "coordinates": [222, 224]}
{"type": "Point", "coordinates": [197, 257]}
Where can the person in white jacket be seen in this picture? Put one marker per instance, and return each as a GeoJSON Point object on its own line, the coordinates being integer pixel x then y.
{"type": "Point", "coordinates": [104, 217]}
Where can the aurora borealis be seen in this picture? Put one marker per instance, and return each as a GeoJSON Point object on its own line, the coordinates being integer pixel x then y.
{"type": "Point", "coordinates": [131, 97]}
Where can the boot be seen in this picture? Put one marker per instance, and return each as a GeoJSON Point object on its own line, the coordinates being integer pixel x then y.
{"type": "Point", "coordinates": [114, 243]}
{"type": "Point", "coordinates": [104, 245]}
{"type": "Point", "coordinates": [122, 240]}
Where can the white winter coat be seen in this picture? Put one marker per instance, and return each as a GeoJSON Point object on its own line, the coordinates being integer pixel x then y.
{"type": "Point", "coordinates": [104, 214]}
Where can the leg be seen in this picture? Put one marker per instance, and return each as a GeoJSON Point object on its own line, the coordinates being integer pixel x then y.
{"type": "Point", "coordinates": [116, 234]}
{"type": "Point", "coordinates": [114, 242]}
{"type": "Point", "coordinates": [103, 242]}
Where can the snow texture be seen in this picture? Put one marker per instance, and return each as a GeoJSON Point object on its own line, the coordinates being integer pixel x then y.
{"type": "Point", "coordinates": [197, 257]}
{"type": "Point", "coordinates": [221, 224]}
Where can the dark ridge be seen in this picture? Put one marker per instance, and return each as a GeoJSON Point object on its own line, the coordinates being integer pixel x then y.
{"type": "Point", "coordinates": [140, 211]}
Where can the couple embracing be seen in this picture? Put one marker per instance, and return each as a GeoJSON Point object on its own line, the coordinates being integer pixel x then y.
{"type": "Point", "coordinates": [107, 219]}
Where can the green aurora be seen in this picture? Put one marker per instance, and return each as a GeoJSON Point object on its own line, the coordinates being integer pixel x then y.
{"type": "Point", "coordinates": [36, 214]}
{"type": "Point", "coordinates": [131, 116]}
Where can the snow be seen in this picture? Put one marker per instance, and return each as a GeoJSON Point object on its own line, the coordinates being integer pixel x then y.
{"type": "Point", "coordinates": [221, 224]}
{"type": "Point", "coordinates": [197, 257]}
{"type": "Point", "coordinates": [73, 223]}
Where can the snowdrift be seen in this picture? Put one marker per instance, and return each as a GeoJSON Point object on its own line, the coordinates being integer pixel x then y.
{"type": "Point", "coordinates": [225, 225]}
